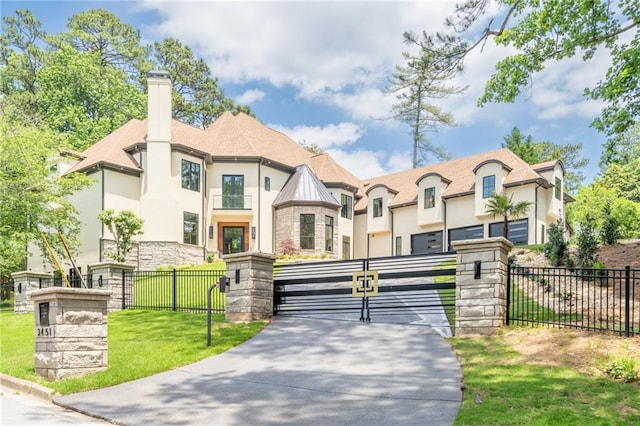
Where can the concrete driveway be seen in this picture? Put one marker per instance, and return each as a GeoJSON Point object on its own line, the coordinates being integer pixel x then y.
{"type": "Point", "coordinates": [299, 371]}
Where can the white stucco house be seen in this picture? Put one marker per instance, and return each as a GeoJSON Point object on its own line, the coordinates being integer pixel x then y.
{"type": "Point", "coordinates": [240, 186]}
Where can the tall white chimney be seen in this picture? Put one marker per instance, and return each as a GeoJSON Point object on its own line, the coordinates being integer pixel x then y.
{"type": "Point", "coordinates": [158, 205]}
{"type": "Point", "coordinates": [159, 106]}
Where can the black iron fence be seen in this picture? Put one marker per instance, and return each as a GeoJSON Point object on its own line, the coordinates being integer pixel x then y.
{"type": "Point", "coordinates": [592, 299]}
{"type": "Point", "coordinates": [174, 290]}
{"type": "Point", "coordinates": [76, 281]}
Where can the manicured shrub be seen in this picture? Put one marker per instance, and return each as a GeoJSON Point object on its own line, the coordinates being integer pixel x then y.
{"type": "Point", "coordinates": [587, 242]}
{"type": "Point", "coordinates": [556, 247]}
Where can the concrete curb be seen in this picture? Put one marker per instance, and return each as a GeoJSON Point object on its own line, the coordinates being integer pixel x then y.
{"type": "Point", "coordinates": [27, 387]}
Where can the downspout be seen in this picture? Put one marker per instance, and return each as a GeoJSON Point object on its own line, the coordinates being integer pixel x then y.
{"type": "Point", "coordinates": [203, 232]}
{"type": "Point", "coordinates": [535, 214]}
{"type": "Point", "coordinates": [259, 191]}
{"type": "Point", "coordinates": [392, 244]}
{"type": "Point", "coordinates": [100, 242]}
{"type": "Point", "coordinates": [445, 236]}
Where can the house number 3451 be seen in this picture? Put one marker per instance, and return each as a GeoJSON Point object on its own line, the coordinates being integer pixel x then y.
{"type": "Point", "coordinates": [44, 332]}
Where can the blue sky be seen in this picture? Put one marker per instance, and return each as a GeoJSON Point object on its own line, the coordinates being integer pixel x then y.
{"type": "Point", "coordinates": [316, 70]}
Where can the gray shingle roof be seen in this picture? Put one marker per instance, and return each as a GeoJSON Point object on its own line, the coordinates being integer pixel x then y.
{"type": "Point", "coordinates": [303, 187]}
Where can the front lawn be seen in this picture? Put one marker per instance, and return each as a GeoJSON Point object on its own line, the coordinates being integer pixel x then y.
{"type": "Point", "coordinates": [542, 377]}
{"type": "Point", "coordinates": [141, 343]}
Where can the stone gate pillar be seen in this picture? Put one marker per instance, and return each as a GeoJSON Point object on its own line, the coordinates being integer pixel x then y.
{"type": "Point", "coordinates": [108, 276]}
{"type": "Point", "coordinates": [481, 285]}
{"type": "Point", "coordinates": [70, 332]}
{"type": "Point", "coordinates": [25, 283]}
{"type": "Point", "coordinates": [250, 293]}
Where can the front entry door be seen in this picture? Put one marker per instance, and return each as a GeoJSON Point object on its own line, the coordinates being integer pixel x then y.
{"type": "Point", "coordinates": [232, 239]}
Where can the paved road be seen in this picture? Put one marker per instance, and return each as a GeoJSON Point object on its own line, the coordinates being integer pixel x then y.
{"type": "Point", "coordinates": [17, 408]}
{"type": "Point", "coordinates": [299, 371]}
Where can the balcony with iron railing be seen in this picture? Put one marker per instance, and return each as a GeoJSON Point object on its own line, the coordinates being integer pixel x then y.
{"type": "Point", "coordinates": [232, 202]}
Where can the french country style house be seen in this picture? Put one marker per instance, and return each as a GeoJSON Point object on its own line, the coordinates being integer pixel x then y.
{"type": "Point", "coordinates": [240, 186]}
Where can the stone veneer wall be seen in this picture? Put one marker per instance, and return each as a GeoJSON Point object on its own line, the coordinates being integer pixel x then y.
{"type": "Point", "coordinates": [287, 225]}
{"type": "Point", "coordinates": [132, 256]}
{"type": "Point", "coordinates": [147, 255]}
{"type": "Point", "coordinates": [158, 253]}
{"type": "Point", "coordinates": [481, 303]}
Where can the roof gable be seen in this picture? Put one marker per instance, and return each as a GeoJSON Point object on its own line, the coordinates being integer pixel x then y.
{"type": "Point", "coordinates": [459, 172]}
{"type": "Point", "coordinates": [244, 136]}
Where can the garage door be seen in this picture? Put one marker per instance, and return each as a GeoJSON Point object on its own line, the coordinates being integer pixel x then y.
{"type": "Point", "coordinates": [427, 243]}
{"type": "Point", "coordinates": [518, 231]}
{"type": "Point", "coordinates": [468, 233]}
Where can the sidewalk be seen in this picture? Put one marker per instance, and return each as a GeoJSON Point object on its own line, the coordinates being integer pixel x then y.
{"type": "Point", "coordinates": [298, 371]}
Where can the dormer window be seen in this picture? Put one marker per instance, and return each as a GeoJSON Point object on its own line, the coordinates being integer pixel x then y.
{"type": "Point", "coordinates": [488, 186]}
{"type": "Point", "coordinates": [377, 207]}
{"type": "Point", "coordinates": [558, 189]}
{"type": "Point", "coordinates": [429, 197]}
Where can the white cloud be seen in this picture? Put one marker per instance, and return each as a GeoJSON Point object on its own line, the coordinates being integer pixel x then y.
{"type": "Point", "coordinates": [332, 135]}
{"type": "Point", "coordinates": [335, 53]}
{"type": "Point", "coordinates": [250, 96]}
{"type": "Point", "coordinates": [365, 164]}
{"type": "Point", "coordinates": [338, 55]}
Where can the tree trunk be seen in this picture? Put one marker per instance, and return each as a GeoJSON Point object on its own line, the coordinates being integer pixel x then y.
{"type": "Point", "coordinates": [505, 227]}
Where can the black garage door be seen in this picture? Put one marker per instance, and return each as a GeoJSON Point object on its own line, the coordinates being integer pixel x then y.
{"type": "Point", "coordinates": [468, 233]}
{"type": "Point", "coordinates": [427, 243]}
{"type": "Point", "coordinates": [518, 231]}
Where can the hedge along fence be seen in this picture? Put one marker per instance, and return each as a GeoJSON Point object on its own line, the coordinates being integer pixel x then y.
{"type": "Point", "coordinates": [177, 290]}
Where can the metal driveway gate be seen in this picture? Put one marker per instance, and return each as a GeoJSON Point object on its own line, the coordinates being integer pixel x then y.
{"type": "Point", "coordinates": [419, 284]}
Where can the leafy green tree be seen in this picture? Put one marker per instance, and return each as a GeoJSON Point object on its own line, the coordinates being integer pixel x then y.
{"type": "Point", "coordinates": [623, 179]}
{"type": "Point", "coordinates": [115, 43]}
{"type": "Point", "coordinates": [197, 97]}
{"type": "Point", "coordinates": [539, 152]}
{"type": "Point", "coordinates": [124, 226]}
{"type": "Point", "coordinates": [592, 201]}
{"type": "Point", "coordinates": [84, 99]}
{"type": "Point", "coordinates": [541, 32]}
{"type": "Point", "coordinates": [21, 57]}
{"type": "Point", "coordinates": [556, 249]}
{"type": "Point", "coordinates": [610, 230]}
{"type": "Point", "coordinates": [33, 195]}
{"type": "Point", "coordinates": [499, 205]}
{"type": "Point", "coordinates": [522, 146]}
{"type": "Point", "coordinates": [622, 149]}
{"type": "Point", "coordinates": [417, 84]}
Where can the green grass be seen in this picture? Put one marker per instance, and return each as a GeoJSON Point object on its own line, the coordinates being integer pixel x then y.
{"type": "Point", "coordinates": [155, 289]}
{"type": "Point", "coordinates": [447, 294]}
{"type": "Point", "coordinates": [141, 343]}
{"type": "Point", "coordinates": [537, 248]}
{"type": "Point", "coordinates": [514, 392]}
{"type": "Point", "coordinates": [528, 310]}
